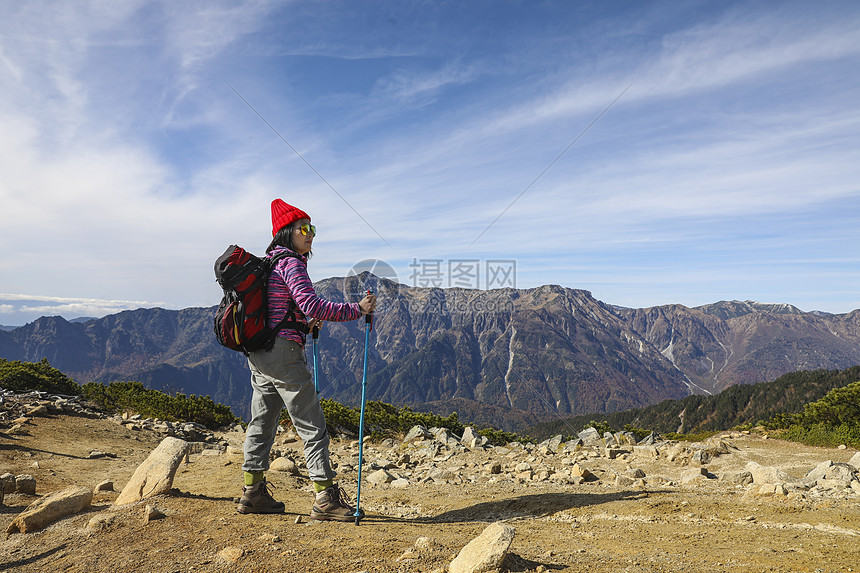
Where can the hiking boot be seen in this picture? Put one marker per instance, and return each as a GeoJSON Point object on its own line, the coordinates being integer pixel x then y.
{"type": "Point", "coordinates": [332, 504]}
{"type": "Point", "coordinates": [257, 499]}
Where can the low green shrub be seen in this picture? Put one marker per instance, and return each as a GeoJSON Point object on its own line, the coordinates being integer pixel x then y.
{"type": "Point", "coordinates": [639, 434]}
{"type": "Point", "coordinates": [40, 376]}
{"type": "Point", "coordinates": [134, 397]}
{"type": "Point", "coordinates": [823, 435]}
{"type": "Point", "coordinates": [601, 427]}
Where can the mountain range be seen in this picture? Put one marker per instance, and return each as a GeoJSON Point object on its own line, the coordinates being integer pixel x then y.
{"type": "Point", "coordinates": [508, 357]}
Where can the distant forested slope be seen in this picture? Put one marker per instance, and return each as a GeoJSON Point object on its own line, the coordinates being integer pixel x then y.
{"type": "Point", "coordinates": [741, 404]}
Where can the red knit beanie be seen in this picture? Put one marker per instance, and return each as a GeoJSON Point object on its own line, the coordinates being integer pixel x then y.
{"type": "Point", "coordinates": [284, 214]}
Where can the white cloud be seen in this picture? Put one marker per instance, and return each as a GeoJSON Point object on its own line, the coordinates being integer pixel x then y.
{"type": "Point", "coordinates": [68, 307]}
{"type": "Point", "coordinates": [133, 191]}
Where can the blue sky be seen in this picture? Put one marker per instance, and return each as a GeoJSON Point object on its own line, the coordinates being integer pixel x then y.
{"type": "Point", "coordinates": [729, 169]}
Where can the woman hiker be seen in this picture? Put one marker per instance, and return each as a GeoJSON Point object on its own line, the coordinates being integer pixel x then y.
{"type": "Point", "coordinates": [280, 376]}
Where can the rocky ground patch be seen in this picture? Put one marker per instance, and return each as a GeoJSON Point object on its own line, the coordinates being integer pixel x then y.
{"type": "Point", "coordinates": [735, 503]}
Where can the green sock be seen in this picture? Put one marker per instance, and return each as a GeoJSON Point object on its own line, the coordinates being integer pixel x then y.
{"type": "Point", "coordinates": [252, 478]}
{"type": "Point", "coordinates": [321, 485]}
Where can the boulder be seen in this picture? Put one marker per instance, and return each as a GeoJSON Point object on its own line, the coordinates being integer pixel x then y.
{"type": "Point", "coordinates": [7, 483]}
{"type": "Point", "coordinates": [613, 452]}
{"type": "Point", "coordinates": [590, 437]}
{"type": "Point", "coordinates": [51, 508]}
{"type": "Point", "coordinates": [493, 468]}
{"type": "Point", "coordinates": [817, 473]}
{"type": "Point", "coordinates": [441, 434]}
{"type": "Point", "coordinates": [767, 474]}
{"type": "Point", "coordinates": [101, 521]}
{"type": "Point", "coordinates": [151, 512]}
{"type": "Point", "coordinates": [573, 445]}
{"type": "Point", "coordinates": [554, 443]}
{"type": "Point", "coordinates": [579, 471]}
{"type": "Point", "coordinates": [37, 411]}
{"type": "Point", "coordinates": [855, 461]}
{"type": "Point", "coordinates": [26, 484]}
{"type": "Point", "coordinates": [646, 451]}
{"type": "Point", "coordinates": [380, 477]}
{"type": "Point", "coordinates": [284, 464]}
{"type": "Point", "coordinates": [842, 472]}
{"type": "Point", "coordinates": [650, 439]}
{"type": "Point", "coordinates": [104, 485]}
{"type": "Point", "coordinates": [635, 473]}
{"type": "Point", "coordinates": [834, 484]}
{"type": "Point", "coordinates": [737, 478]}
{"type": "Point", "coordinates": [469, 438]}
{"type": "Point", "coordinates": [417, 433]}
{"type": "Point", "coordinates": [694, 475]}
{"type": "Point", "coordinates": [486, 552]}
{"type": "Point", "coordinates": [155, 475]}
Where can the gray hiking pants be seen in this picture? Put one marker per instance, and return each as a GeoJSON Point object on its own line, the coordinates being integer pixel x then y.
{"type": "Point", "coordinates": [280, 378]}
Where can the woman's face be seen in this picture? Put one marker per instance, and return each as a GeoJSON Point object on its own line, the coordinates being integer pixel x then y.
{"type": "Point", "coordinates": [302, 243]}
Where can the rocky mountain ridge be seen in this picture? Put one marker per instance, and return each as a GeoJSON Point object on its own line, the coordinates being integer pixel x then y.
{"type": "Point", "coordinates": [506, 357]}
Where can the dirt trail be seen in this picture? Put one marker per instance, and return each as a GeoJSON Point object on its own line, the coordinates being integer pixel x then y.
{"type": "Point", "coordinates": [710, 526]}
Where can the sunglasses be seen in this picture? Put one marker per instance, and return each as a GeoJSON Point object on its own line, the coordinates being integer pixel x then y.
{"type": "Point", "coordinates": [307, 229]}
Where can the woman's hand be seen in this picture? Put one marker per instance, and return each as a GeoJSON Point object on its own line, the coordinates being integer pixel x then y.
{"type": "Point", "coordinates": [367, 304]}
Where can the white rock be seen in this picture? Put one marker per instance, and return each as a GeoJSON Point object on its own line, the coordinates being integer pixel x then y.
{"type": "Point", "coordinates": [469, 437]}
{"type": "Point", "coordinates": [49, 509]}
{"type": "Point", "coordinates": [101, 521]}
{"type": "Point", "coordinates": [7, 483]}
{"type": "Point", "coordinates": [106, 485]}
{"type": "Point", "coordinates": [579, 471]}
{"type": "Point", "coordinates": [417, 433]}
{"type": "Point", "coordinates": [155, 475]}
{"type": "Point", "coordinates": [818, 472]}
{"type": "Point", "coordinates": [230, 555]}
{"type": "Point", "coordinates": [834, 484]}
{"type": "Point", "coordinates": [855, 461]}
{"type": "Point", "coordinates": [380, 477]}
{"type": "Point", "coordinates": [151, 512]}
{"type": "Point", "coordinates": [284, 464]}
{"type": "Point", "coordinates": [765, 474]}
{"type": "Point", "coordinates": [486, 552]}
{"type": "Point", "coordinates": [694, 475]}
{"type": "Point", "coordinates": [25, 483]}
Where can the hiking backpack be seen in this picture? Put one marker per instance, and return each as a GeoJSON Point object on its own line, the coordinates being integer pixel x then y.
{"type": "Point", "coordinates": [240, 321]}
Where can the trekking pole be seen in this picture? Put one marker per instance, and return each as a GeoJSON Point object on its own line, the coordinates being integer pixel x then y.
{"type": "Point", "coordinates": [368, 326]}
{"type": "Point", "coordinates": [316, 334]}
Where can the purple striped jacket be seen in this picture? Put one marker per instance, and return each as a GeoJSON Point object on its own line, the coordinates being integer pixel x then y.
{"type": "Point", "coordinates": [289, 281]}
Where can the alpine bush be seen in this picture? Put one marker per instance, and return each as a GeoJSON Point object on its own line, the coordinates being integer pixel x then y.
{"type": "Point", "coordinates": [134, 397]}
{"type": "Point", "coordinates": [40, 376]}
{"type": "Point", "coordinates": [830, 421]}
